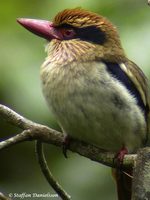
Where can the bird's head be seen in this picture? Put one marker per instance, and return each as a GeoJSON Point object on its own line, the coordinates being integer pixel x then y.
{"type": "Point", "coordinates": [77, 34]}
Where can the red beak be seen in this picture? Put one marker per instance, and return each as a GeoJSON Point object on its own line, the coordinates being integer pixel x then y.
{"type": "Point", "coordinates": [41, 28]}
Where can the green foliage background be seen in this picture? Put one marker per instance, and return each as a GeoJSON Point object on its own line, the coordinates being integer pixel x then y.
{"type": "Point", "coordinates": [21, 55]}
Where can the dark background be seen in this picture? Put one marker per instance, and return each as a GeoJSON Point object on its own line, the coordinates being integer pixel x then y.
{"type": "Point", "coordinates": [21, 55]}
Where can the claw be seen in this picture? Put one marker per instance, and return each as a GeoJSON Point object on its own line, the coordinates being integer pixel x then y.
{"type": "Point", "coordinates": [120, 156]}
{"type": "Point", "coordinates": [66, 144]}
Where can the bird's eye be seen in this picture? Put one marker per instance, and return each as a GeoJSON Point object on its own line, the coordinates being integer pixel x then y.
{"type": "Point", "coordinates": [68, 33]}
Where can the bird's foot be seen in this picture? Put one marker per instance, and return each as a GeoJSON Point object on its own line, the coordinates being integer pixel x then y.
{"type": "Point", "coordinates": [118, 159]}
{"type": "Point", "coordinates": [66, 144]}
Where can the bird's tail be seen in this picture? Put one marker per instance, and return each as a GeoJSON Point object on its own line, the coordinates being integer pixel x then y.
{"type": "Point", "coordinates": [124, 183]}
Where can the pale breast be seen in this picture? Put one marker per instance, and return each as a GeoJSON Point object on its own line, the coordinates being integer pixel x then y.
{"type": "Point", "coordinates": [93, 106]}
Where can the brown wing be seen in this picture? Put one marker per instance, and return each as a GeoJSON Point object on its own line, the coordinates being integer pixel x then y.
{"type": "Point", "coordinates": [141, 83]}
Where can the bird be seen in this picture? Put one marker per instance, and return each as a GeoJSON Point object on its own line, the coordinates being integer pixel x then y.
{"type": "Point", "coordinates": [96, 93]}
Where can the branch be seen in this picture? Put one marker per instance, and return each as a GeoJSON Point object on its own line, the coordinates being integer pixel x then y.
{"type": "Point", "coordinates": [3, 197]}
{"type": "Point", "coordinates": [141, 174]}
{"type": "Point", "coordinates": [48, 175]}
{"type": "Point", "coordinates": [23, 136]}
{"type": "Point", "coordinates": [15, 119]}
{"type": "Point", "coordinates": [34, 131]}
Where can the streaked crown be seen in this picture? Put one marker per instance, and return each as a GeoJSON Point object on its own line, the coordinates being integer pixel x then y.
{"type": "Point", "coordinates": [93, 35]}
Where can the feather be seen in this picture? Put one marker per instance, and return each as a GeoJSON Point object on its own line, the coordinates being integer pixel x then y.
{"type": "Point", "coordinates": [73, 85]}
{"type": "Point", "coordinates": [123, 74]}
{"type": "Point", "coordinates": [140, 81]}
{"type": "Point", "coordinates": [77, 17]}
